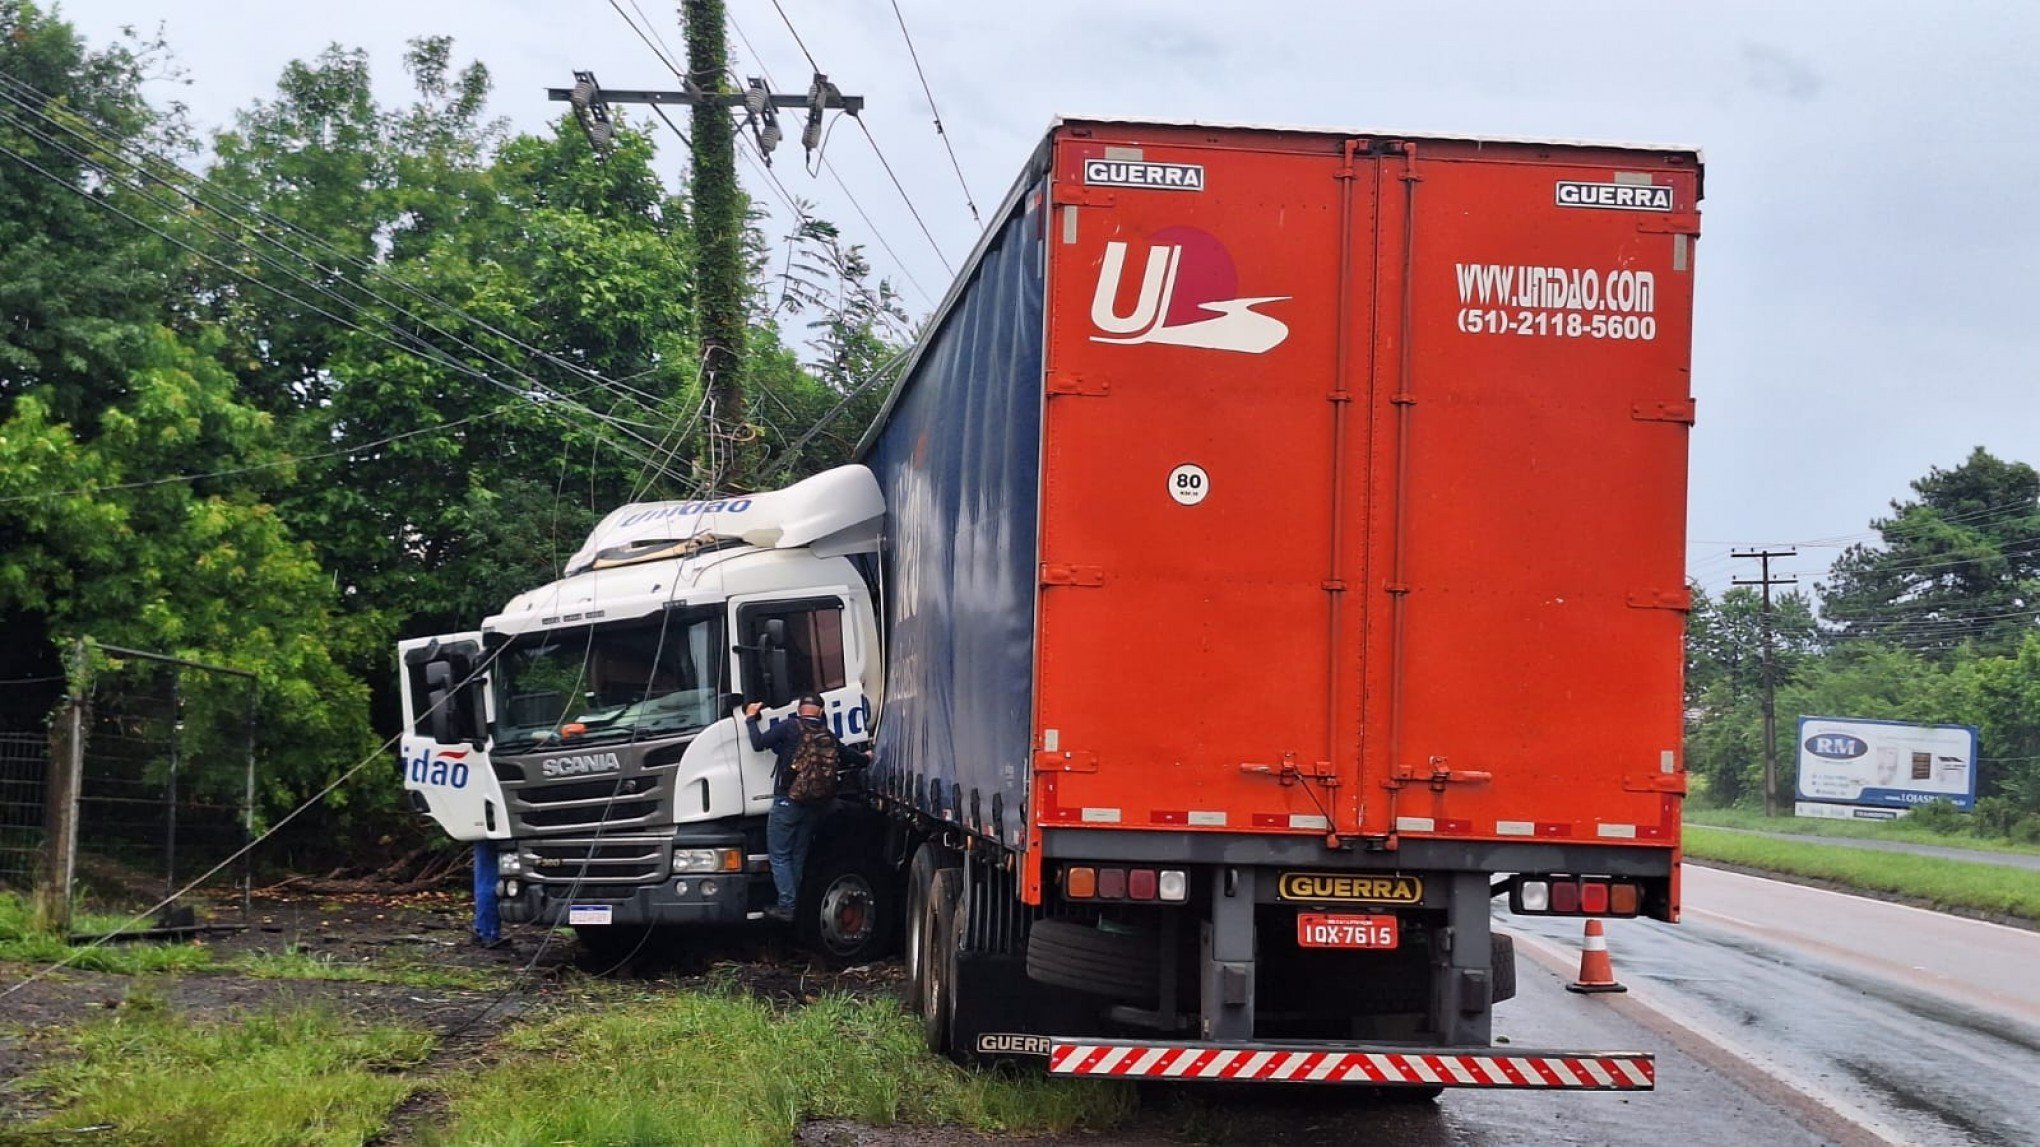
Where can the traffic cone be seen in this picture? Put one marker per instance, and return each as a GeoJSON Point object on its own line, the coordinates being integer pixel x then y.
{"type": "Point", "coordinates": [1597, 972]}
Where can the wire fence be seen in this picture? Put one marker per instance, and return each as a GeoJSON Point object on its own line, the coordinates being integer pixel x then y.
{"type": "Point", "coordinates": [24, 773]}
{"type": "Point", "coordinates": [167, 782]}
{"type": "Point", "coordinates": [156, 785]}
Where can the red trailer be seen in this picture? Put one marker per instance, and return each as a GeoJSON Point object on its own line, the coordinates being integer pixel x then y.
{"type": "Point", "coordinates": [1284, 560]}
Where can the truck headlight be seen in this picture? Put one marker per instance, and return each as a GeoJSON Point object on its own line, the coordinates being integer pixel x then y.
{"type": "Point", "coordinates": [707, 860]}
{"type": "Point", "coordinates": [509, 864]}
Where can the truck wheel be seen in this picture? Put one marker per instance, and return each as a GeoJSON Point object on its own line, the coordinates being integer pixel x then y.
{"type": "Point", "coordinates": [847, 909]}
{"type": "Point", "coordinates": [929, 859]}
{"type": "Point", "coordinates": [1503, 977]}
{"type": "Point", "coordinates": [1085, 958]}
{"type": "Point", "coordinates": [938, 934]}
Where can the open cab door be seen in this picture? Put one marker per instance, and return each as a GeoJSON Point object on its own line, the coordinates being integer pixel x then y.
{"type": "Point", "coordinates": [444, 750]}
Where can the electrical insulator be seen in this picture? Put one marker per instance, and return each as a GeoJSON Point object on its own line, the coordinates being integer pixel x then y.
{"type": "Point", "coordinates": [811, 136]}
{"type": "Point", "coordinates": [584, 94]}
{"type": "Point", "coordinates": [601, 133]}
{"type": "Point", "coordinates": [754, 99]}
{"type": "Point", "coordinates": [769, 136]}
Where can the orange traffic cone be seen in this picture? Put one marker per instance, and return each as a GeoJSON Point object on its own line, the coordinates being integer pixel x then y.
{"type": "Point", "coordinates": [1597, 972]}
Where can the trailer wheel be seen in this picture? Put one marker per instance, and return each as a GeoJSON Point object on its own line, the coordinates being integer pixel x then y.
{"type": "Point", "coordinates": [1503, 977]}
{"type": "Point", "coordinates": [1085, 958]}
{"type": "Point", "coordinates": [938, 933]}
{"type": "Point", "coordinates": [929, 859]}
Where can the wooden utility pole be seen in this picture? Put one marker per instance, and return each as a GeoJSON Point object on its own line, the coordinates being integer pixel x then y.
{"type": "Point", "coordinates": [719, 281]}
{"type": "Point", "coordinates": [60, 799]}
{"type": "Point", "coordinates": [1770, 677]}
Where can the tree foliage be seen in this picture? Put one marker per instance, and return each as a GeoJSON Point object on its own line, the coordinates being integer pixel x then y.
{"type": "Point", "coordinates": [379, 369]}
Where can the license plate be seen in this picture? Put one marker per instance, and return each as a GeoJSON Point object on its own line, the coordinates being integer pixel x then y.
{"type": "Point", "coordinates": [588, 914]}
{"type": "Point", "coordinates": [1326, 930]}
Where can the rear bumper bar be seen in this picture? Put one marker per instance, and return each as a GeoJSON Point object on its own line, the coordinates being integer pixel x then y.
{"type": "Point", "coordinates": [1377, 1065]}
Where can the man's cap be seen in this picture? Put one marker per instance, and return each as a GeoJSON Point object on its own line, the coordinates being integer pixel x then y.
{"type": "Point", "coordinates": [814, 699]}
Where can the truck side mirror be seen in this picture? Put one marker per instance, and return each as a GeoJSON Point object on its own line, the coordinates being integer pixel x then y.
{"type": "Point", "coordinates": [773, 634]}
{"type": "Point", "coordinates": [439, 723]}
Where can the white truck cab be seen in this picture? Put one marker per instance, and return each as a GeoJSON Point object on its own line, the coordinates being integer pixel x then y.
{"type": "Point", "coordinates": [600, 716]}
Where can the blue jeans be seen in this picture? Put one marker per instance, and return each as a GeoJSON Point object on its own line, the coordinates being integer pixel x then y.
{"type": "Point", "coordinates": [789, 829]}
{"type": "Point", "coordinates": [486, 928]}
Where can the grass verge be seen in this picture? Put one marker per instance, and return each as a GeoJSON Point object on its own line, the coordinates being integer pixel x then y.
{"type": "Point", "coordinates": [720, 1067]}
{"type": "Point", "coordinates": [20, 943]}
{"type": "Point", "coordinates": [1901, 829]}
{"type": "Point", "coordinates": [1957, 884]}
{"type": "Point", "coordinates": [297, 965]}
{"type": "Point", "coordinates": [283, 1076]}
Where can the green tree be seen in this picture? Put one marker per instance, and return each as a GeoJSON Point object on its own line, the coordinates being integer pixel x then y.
{"type": "Point", "coordinates": [1958, 564]}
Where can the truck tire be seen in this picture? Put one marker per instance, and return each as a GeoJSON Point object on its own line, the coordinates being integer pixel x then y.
{"type": "Point", "coordinates": [1503, 977]}
{"type": "Point", "coordinates": [1085, 958]}
{"type": "Point", "coordinates": [938, 935]}
{"type": "Point", "coordinates": [929, 859]}
{"type": "Point", "coordinates": [848, 909]}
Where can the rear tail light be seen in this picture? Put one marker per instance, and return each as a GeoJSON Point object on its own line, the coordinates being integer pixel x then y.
{"type": "Point", "coordinates": [1086, 882]}
{"type": "Point", "coordinates": [1574, 896]}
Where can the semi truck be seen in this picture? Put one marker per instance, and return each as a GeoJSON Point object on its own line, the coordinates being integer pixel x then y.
{"type": "Point", "coordinates": [1267, 565]}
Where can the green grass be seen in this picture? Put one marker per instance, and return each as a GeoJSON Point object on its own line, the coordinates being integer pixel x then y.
{"type": "Point", "coordinates": [719, 1067]}
{"type": "Point", "coordinates": [297, 965]}
{"type": "Point", "coordinates": [283, 1076]}
{"type": "Point", "coordinates": [1902, 829]}
{"type": "Point", "coordinates": [21, 943]}
{"type": "Point", "coordinates": [1961, 884]}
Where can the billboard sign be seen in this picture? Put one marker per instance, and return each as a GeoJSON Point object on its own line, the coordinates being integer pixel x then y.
{"type": "Point", "coordinates": [1851, 768]}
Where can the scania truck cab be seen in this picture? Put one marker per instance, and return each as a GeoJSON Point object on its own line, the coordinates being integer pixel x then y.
{"type": "Point", "coordinates": [595, 725]}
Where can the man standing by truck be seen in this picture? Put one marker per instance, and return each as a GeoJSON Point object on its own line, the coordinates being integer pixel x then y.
{"type": "Point", "coordinates": [808, 756]}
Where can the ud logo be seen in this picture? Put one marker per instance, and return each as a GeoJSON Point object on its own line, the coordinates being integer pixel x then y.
{"type": "Point", "coordinates": [1187, 296]}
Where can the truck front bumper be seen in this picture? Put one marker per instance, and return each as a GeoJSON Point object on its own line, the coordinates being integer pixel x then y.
{"type": "Point", "coordinates": [1372, 1064]}
{"type": "Point", "coordinates": [664, 903]}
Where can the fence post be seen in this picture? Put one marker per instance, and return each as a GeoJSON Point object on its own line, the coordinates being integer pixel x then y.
{"type": "Point", "coordinates": [60, 809]}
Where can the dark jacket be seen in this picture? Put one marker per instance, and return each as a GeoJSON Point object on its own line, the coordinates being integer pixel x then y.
{"type": "Point", "coordinates": [783, 740]}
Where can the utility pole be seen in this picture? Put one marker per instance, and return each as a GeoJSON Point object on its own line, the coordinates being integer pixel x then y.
{"type": "Point", "coordinates": [718, 204]}
{"type": "Point", "coordinates": [59, 865]}
{"type": "Point", "coordinates": [719, 243]}
{"type": "Point", "coordinates": [1770, 676]}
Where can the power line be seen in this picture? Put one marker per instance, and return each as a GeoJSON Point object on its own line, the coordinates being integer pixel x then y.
{"type": "Point", "coordinates": [936, 112]}
{"type": "Point", "coordinates": [195, 194]}
{"type": "Point", "coordinates": [540, 397]}
{"type": "Point", "coordinates": [912, 209]}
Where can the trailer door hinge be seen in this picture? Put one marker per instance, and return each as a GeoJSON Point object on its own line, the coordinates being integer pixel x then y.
{"type": "Point", "coordinates": [1078, 195]}
{"type": "Point", "coordinates": [1675, 223]}
{"type": "Point", "coordinates": [1057, 573]}
{"type": "Point", "coordinates": [1065, 761]}
{"type": "Point", "coordinates": [1680, 411]}
{"type": "Point", "coordinates": [1064, 382]}
{"type": "Point", "coordinates": [1677, 600]}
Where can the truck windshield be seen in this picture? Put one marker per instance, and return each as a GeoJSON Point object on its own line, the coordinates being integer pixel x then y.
{"type": "Point", "coordinates": [621, 682]}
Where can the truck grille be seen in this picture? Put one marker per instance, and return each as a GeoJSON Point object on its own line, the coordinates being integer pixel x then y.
{"type": "Point", "coordinates": [595, 862]}
{"type": "Point", "coordinates": [592, 815]}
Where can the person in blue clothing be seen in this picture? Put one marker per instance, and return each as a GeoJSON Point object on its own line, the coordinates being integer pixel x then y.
{"type": "Point", "coordinates": [790, 827]}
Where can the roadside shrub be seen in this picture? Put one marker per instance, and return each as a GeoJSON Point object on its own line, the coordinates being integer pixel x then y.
{"type": "Point", "coordinates": [2025, 830]}
{"type": "Point", "coordinates": [1997, 816]}
{"type": "Point", "coordinates": [1941, 816]}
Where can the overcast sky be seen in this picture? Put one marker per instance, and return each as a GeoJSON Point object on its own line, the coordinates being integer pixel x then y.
{"type": "Point", "coordinates": [1870, 239]}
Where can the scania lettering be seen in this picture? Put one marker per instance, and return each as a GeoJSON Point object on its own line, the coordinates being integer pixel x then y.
{"type": "Point", "coordinates": [1416, 646]}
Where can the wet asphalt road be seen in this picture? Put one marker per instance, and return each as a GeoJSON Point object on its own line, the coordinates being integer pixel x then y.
{"type": "Point", "coordinates": [1781, 1015]}
{"type": "Point", "coordinates": [1916, 1026]}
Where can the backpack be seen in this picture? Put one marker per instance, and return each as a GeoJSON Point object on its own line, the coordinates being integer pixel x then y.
{"type": "Point", "coordinates": [814, 766]}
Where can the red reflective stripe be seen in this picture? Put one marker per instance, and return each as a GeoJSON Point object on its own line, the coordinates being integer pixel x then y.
{"type": "Point", "coordinates": [1060, 1057]}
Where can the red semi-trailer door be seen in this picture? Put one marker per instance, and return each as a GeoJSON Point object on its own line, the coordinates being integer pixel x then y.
{"type": "Point", "coordinates": [1205, 439]}
{"type": "Point", "coordinates": [1525, 658]}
